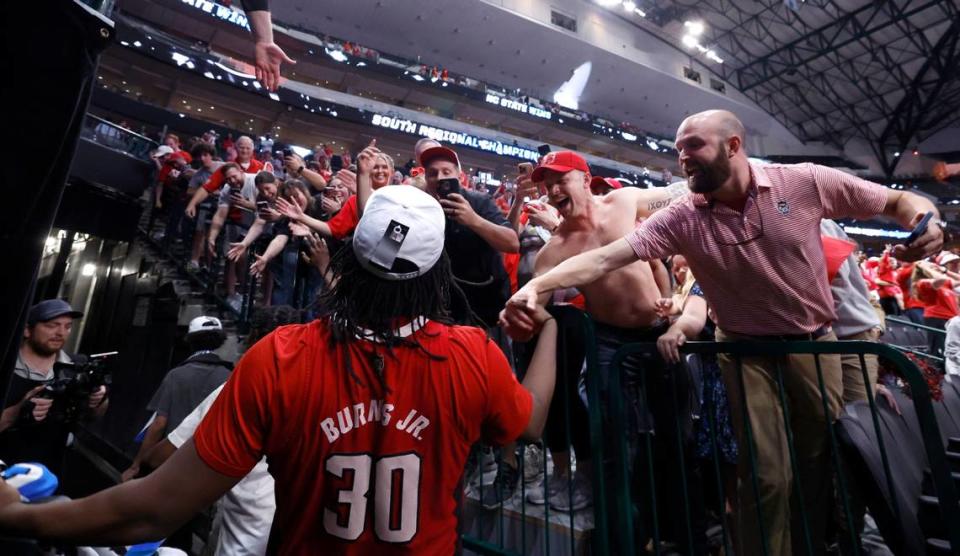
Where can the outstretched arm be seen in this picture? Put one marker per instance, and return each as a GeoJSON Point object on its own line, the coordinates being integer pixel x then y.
{"type": "Point", "coordinates": [576, 271]}
{"type": "Point", "coordinates": [143, 509]}
{"type": "Point", "coordinates": [267, 55]}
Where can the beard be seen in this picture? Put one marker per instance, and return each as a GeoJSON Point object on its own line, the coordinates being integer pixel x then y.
{"type": "Point", "coordinates": [44, 349]}
{"type": "Point", "coordinates": [709, 177]}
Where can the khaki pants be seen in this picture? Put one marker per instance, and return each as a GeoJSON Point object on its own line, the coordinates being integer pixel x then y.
{"type": "Point", "coordinates": [853, 386]}
{"type": "Point", "coordinates": [779, 505]}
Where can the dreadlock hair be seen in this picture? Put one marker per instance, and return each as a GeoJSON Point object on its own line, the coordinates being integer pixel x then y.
{"type": "Point", "coordinates": [265, 319]}
{"type": "Point", "coordinates": [361, 305]}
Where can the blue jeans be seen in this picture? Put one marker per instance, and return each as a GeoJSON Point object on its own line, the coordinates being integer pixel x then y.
{"type": "Point", "coordinates": [284, 270]}
{"type": "Point", "coordinates": [657, 401]}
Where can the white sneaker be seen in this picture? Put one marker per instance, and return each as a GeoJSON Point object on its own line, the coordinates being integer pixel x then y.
{"type": "Point", "coordinates": [547, 489]}
{"type": "Point", "coordinates": [581, 498]}
{"type": "Point", "coordinates": [532, 463]}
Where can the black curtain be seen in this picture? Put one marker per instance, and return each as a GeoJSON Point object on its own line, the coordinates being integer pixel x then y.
{"type": "Point", "coordinates": [51, 49]}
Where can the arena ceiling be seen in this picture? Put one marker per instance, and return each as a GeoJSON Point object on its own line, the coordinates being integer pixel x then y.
{"type": "Point", "coordinates": [887, 72]}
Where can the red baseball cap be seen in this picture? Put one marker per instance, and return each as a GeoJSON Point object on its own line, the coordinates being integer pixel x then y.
{"type": "Point", "coordinates": [562, 161]}
{"type": "Point", "coordinates": [433, 153]}
{"type": "Point", "coordinates": [597, 182]}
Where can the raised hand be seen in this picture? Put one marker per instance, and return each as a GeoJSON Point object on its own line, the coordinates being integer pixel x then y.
{"type": "Point", "coordinates": [367, 158]}
{"type": "Point", "coordinates": [267, 59]}
{"type": "Point", "coordinates": [236, 251]}
{"type": "Point", "coordinates": [288, 209]}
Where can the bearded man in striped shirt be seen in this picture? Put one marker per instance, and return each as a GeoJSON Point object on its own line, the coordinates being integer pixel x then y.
{"type": "Point", "coordinates": [751, 235]}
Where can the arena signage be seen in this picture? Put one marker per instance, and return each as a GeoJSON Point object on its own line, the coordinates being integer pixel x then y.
{"type": "Point", "coordinates": [453, 137]}
{"type": "Point", "coordinates": [519, 106]}
{"type": "Point", "coordinates": [220, 12]}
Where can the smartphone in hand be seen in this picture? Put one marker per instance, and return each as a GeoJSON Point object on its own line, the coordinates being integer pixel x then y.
{"type": "Point", "coordinates": [919, 229]}
{"type": "Point", "coordinates": [447, 186]}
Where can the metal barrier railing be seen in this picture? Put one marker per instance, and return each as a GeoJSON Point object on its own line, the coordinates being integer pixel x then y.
{"type": "Point", "coordinates": [520, 526]}
{"type": "Point", "coordinates": [918, 326]}
{"type": "Point", "coordinates": [625, 509]}
{"type": "Point", "coordinates": [628, 489]}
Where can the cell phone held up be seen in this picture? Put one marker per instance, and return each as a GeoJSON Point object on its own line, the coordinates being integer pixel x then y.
{"type": "Point", "coordinates": [919, 229]}
{"type": "Point", "coordinates": [447, 186]}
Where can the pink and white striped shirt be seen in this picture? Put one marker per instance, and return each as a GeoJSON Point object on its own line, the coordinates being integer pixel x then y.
{"type": "Point", "coordinates": [762, 270]}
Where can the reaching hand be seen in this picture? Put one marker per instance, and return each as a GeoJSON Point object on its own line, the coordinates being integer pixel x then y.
{"type": "Point", "coordinates": [299, 230]}
{"type": "Point", "coordinates": [268, 57]}
{"type": "Point", "coordinates": [665, 308]}
{"type": "Point", "coordinates": [668, 344]}
{"type": "Point", "coordinates": [367, 158]}
{"type": "Point", "coordinates": [349, 180]}
{"type": "Point", "coordinates": [318, 252]}
{"type": "Point", "coordinates": [236, 251]}
{"type": "Point", "coordinates": [330, 205]}
{"type": "Point", "coordinates": [518, 316]}
{"type": "Point", "coordinates": [258, 266]}
{"type": "Point", "coordinates": [290, 210]}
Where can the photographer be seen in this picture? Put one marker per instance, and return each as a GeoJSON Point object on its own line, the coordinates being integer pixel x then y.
{"type": "Point", "coordinates": [27, 430]}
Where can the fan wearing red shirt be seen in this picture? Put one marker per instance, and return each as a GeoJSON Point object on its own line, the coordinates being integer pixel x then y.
{"type": "Point", "coordinates": [245, 160]}
{"type": "Point", "coordinates": [366, 416]}
{"type": "Point", "coordinates": [374, 168]}
{"type": "Point", "coordinates": [912, 307]}
{"type": "Point", "coordinates": [938, 297]}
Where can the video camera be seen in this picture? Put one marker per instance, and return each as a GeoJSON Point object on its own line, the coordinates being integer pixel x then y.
{"type": "Point", "coordinates": [74, 382]}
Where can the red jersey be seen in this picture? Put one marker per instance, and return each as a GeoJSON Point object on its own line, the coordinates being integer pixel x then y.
{"type": "Point", "coordinates": [216, 179]}
{"type": "Point", "coordinates": [903, 281]}
{"type": "Point", "coordinates": [360, 469]}
{"type": "Point", "coordinates": [887, 273]}
{"type": "Point", "coordinates": [345, 221]}
{"type": "Point", "coordinates": [938, 303]}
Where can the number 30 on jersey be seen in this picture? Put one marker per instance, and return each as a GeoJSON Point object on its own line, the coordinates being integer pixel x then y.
{"type": "Point", "coordinates": [396, 483]}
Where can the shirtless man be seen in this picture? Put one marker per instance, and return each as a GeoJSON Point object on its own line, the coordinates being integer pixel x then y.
{"type": "Point", "coordinates": [622, 304]}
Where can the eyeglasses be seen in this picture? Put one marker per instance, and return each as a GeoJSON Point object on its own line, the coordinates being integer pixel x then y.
{"type": "Point", "coordinates": [752, 234]}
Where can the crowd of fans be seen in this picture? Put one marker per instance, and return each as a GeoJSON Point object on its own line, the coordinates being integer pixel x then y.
{"type": "Point", "coordinates": [272, 222]}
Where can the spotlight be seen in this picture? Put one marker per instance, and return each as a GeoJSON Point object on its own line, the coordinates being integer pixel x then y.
{"type": "Point", "coordinates": [88, 269]}
{"type": "Point", "coordinates": [695, 28]}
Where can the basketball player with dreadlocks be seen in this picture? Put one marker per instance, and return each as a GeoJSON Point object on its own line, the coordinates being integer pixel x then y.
{"type": "Point", "coordinates": [365, 416]}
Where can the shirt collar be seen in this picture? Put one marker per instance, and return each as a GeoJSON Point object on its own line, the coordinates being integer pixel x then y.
{"type": "Point", "coordinates": [403, 332]}
{"type": "Point", "coordinates": [758, 178]}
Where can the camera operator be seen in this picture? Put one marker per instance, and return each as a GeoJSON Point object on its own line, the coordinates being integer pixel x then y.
{"type": "Point", "coordinates": [26, 432]}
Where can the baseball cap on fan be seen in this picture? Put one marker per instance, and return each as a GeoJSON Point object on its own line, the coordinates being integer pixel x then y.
{"type": "Point", "coordinates": [201, 324]}
{"type": "Point", "coordinates": [561, 161]}
{"type": "Point", "coordinates": [433, 153]}
{"type": "Point", "coordinates": [400, 235]}
{"type": "Point", "coordinates": [598, 183]}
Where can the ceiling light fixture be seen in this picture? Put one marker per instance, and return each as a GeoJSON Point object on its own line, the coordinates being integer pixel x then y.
{"type": "Point", "coordinates": [695, 28]}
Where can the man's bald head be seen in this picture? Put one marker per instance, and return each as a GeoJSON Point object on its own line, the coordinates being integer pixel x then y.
{"type": "Point", "coordinates": [722, 122]}
{"type": "Point", "coordinates": [244, 140]}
